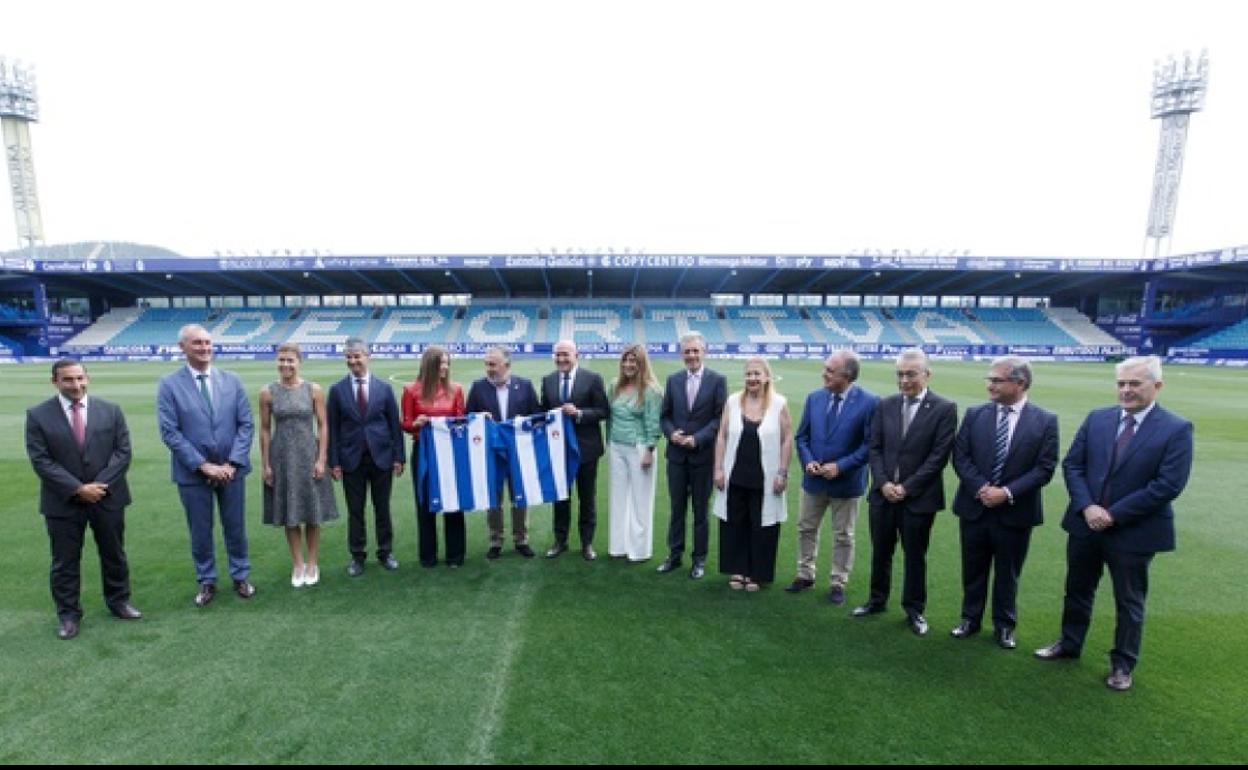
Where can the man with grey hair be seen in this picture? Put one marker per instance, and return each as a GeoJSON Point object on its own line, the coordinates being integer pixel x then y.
{"type": "Point", "coordinates": [1004, 455]}
{"type": "Point", "coordinates": [693, 402]}
{"type": "Point", "coordinates": [504, 396]}
{"type": "Point", "coordinates": [366, 451]}
{"type": "Point", "coordinates": [205, 420]}
{"type": "Point", "coordinates": [832, 442]}
{"type": "Point", "coordinates": [1125, 467]}
{"type": "Point", "coordinates": [911, 437]}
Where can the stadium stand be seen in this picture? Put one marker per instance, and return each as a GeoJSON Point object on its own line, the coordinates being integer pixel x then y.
{"type": "Point", "coordinates": [599, 324]}
{"type": "Point", "coordinates": [1233, 337]}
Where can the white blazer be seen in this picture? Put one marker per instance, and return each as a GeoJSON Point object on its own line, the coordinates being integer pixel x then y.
{"type": "Point", "coordinates": [775, 506]}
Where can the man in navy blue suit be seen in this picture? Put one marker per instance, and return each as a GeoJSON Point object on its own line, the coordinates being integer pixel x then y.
{"type": "Point", "coordinates": [366, 452]}
{"type": "Point", "coordinates": [693, 402]}
{"type": "Point", "coordinates": [1004, 455]}
{"type": "Point", "coordinates": [1124, 468]}
{"type": "Point", "coordinates": [504, 396]}
{"type": "Point", "coordinates": [833, 439]}
{"type": "Point", "coordinates": [205, 420]}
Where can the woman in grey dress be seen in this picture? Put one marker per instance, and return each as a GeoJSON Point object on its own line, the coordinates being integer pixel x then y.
{"type": "Point", "coordinates": [298, 492]}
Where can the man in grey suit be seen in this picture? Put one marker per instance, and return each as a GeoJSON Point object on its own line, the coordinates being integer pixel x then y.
{"type": "Point", "coordinates": [80, 449]}
{"type": "Point", "coordinates": [911, 438]}
{"type": "Point", "coordinates": [693, 402]}
{"type": "Point", "coordinates": [205, 420]}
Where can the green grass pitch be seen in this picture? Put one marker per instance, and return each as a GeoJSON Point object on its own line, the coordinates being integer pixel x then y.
{"type": "Point", "coordinates": [561, 661]}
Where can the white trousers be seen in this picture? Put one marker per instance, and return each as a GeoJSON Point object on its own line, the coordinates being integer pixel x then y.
{"type": "Point", "coordinates": [631, 510]}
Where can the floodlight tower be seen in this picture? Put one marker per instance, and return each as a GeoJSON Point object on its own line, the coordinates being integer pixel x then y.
{"type": "Point", "coordinates": [1178, 91]}
{"type": "Point", "coordinates": [19, 107]}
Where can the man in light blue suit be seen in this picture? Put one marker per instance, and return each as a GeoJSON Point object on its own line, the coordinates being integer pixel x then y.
{"type": "Point", "coordinates": [205, 421]}
{"type": "Point", "coordinates": [833, 440]}
{"type": "Point", "coordinates": [1125, 467]}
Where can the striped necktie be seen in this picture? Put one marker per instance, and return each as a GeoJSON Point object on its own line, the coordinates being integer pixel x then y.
{"type": "Point", "coordinates": [203, 391]}
{"type": "Point", "coordinates": [1002, 444]}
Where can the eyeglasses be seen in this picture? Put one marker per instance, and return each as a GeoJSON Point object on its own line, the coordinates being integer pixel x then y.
{"type": "Point", "coordinates": [909, 375]}
{"type": "Point", "coordinates": [998, 380]}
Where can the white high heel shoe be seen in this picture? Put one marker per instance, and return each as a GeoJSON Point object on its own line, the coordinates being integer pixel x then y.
{"type": "Point", "coordinates": [297, 577]}
{"type": "Point", "coordinates": [311, 576]}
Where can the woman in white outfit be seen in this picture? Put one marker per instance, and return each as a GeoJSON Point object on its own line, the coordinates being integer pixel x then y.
{"type": "Point", "coordinates": [751, 473]}
{"type": "Point", "coordinates": [632, 433]}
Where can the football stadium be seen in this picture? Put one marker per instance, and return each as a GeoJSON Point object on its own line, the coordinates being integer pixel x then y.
{"type": "Point", "coordinates": [564, 659]}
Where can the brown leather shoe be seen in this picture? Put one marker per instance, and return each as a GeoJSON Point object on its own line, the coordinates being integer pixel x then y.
{"type": "Point", "coordinates": [207, 592]}
{"type": "Point", "coordinates": [126, 611]}
{"type": "Point", "coordinates": [68, 630]}
{"type": "Point", "coordinates": [1119, 679]}
{"type": "Point", "coordinates": [244, 589]}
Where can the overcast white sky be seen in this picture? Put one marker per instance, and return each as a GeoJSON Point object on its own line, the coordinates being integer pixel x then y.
{"type": "Point", "coordinates": [719, 126]}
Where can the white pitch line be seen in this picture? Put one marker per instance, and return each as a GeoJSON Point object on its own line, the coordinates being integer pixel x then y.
{"type": "Point", "coordinates": [490, 720]}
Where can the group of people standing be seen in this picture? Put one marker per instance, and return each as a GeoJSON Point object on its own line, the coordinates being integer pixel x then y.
{"type": "Point", "coordinates": [1122, 471]}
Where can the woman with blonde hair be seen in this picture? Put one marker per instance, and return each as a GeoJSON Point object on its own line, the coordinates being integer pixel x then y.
{"type": "Point", "coordinates": [632, 434]}
{"type": "Point", "coordinates": [433, 394]}
{"type": "Point", "coordinates": [751, 470]}
{"type": "Point", "coordinates": [298, 491]}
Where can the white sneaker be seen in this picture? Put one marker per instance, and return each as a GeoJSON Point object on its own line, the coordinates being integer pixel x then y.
{"type": "Point", "coordinates": [297, 577]}
{"type": "Point", "coordinates": [311, 576]}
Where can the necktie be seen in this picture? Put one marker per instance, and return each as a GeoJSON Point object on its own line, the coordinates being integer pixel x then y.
{"type": "Point", "coordinates": [1002, 443]}
{"type": "Point", "coordinates": [1120, 446]}
{"type": "Point", "coordinates": [75, 422]}
{"type": "Point", "coordinates": [361, 400]}
{"type": "Point", "coordinates": [566, 395]}
{"type": "Point", "coordinates": [908, 415]}
{"type": "Point", "coordinates": [203, 391]}
{"type": "Point", "coordinates": [834, 412]}
{"type": "Point", "coordinates": [691, 390]}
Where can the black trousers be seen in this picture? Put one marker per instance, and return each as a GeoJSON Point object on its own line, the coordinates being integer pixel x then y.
{"type": "Point", "coordinates": [427, 534]}
{"type": "Point", "coordinates": [67, 536]}
{"type": "Point", "coordinates": [689, 484]}
{"type": "Point", "coordinates": [746, 547]}
{"type": "Point", "coordinates": [1086, 559]}
{"type": "Point", "coordinates": [586, 497]}
{"type": "Point", "coordinates": [888, 524]}
{"type": "Point", "coordinates": [355, 487]}
{"type": "Point", "coordinates": [990, 548]}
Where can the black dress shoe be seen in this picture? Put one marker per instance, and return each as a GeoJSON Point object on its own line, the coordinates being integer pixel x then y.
{"type": "Point", "coordinates": [917, 624]}
{"type": "Point", "coordinates": [495, 552]}
{"type": "Point", "coordinates": [698, 571]}
{"type": "Point", "coordinates": [207, 592]}
{"type": "Point", "coordinates": [1005, 638]}
{"type": "Point", "coordinates": [555, 550]}
{"type": "Point", "coordinates": [587, 553]}
{"type": "Point", "coordinates": [355, 568]}
{"type": "Point", "coordinates": [1119, 679]}
{"type": "Point", "coordinates": [836, 595]}
{"type": "Point", "coordinates": [524, 550]}
{"type": "Point", "coordinates": [126, 611]}
{"type": "Point", "coordinates": [964, 629]}
{"type": "Point", "coordinates": [1056, 651]}
{"type": "Point", "coordinates": [390, 563]}
{"type": "Point", "coordinates": [668, 565]}
{"type": "Point", "coordinates": [798, 585]}
{"type": "Point", "coordinates": [68, 630]}
{"type": "Point", "coordinates": [244, 589]}
{"type": "Point", "coordinates": [869, 608]}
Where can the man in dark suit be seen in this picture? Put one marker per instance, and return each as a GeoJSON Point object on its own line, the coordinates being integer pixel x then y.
{"type": "Point", "coordinates": [504, 396]}
{"type": "Point", "coordinates": [833, 439]}
{"type": "Point", "coordinates": [1124, 468]}
{"type": "Point", "coordinates": [582, 396]}
{"type": "Point", "coordinates": [1005, 454]}
{"type": "Point", "coordinates": [366, 451]}
{"type": "Point", "coordinates": [693, 402]}
{"type": "Point", "coordinates": [911, 437]}
{"type": "Point", "coordinates": [205, 420]}
{"type": "Point", "coordinates": [80, 449]}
